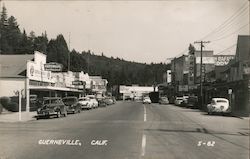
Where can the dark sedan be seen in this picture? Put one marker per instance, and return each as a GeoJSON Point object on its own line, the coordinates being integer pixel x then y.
{"type": "Point", "coordinates": [72, 105]}
{"type": "Point", "coordinates": [52, 106]}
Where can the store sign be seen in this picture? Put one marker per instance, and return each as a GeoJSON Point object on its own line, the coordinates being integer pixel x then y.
{"type": "Point", "coordinates": [222, 60]}
{"type": "Point", "coordinates": [53, 66]}
{"type": "Point", "coordinates": [183, 88]}
{"type": "Point", "coordinates": [192, 87]}
{"type": "Point", "coordinates": [78, 83]}
{"type": "Point", "coordinates": [205, 60]}
{"type": "Point", "coordinates": [36, 72]}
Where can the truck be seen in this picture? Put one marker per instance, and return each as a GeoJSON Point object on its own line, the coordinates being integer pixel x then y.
{"type": "Point", "coordinates": [154, 97]}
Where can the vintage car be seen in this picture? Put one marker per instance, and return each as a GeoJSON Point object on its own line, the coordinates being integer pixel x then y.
{"type": "Point", "coordinates": [85, 103]}
{"type": "Point", "coordinates": [146, 100]}
{"type": "Point", "coordinates": [178, 100]}
{"type": "Point", "coordinates": [72, 104]}
{"type": "Point", "coordinates": [218, 105]}
{"type": "Point", "coordinates": [163, 100]}
{"type": "Point", "coordinates": [93, 100]}
{"type": "Point", "coordinates": [192, 102]}
{"type": "Point", "coordinates": [101, 102]}
{"type": "Point", "coordinates": [52, 106]}
{"type": "Point", "coordinates": [108, 101]}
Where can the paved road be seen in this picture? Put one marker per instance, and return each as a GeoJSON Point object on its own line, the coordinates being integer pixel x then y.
{"type": "Point", "coordinates": [129, 130]}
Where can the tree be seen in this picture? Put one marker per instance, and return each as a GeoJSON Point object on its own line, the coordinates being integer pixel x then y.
{"type": "Point", "coordinates": [26, 45]}
{"type": "Point", "coordinates": [58, 51]}
{"type": "Point", "coordinates": [191, 49]}
{"type": "Point", "coordinates": [4, 47]}
{"type": "Point", "coordinates": [13, 35]}
{"type": "Point", "coordinates": [40, 43]}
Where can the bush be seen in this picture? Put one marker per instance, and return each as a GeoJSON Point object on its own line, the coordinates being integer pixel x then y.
{"type": "Point", "coordinates": [11, 103]}
{"type": "Point", "coordinates": [1, 108]}
{"type": "Point", "coordinates": [4, 101]}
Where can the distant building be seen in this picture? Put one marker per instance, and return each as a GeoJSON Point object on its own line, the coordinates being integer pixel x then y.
{"type": "Point", "coordinates": [98, 84]}
{"type": "Point", "coordinates": [135, 91]}
{"type": "Point", "coordinates": [179, 72]}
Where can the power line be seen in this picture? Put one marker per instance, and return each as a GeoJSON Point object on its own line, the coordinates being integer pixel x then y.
{"type": "Point", "coordinates": [237, 13]}
{"type": "Point", "coordinates": [228, 48]}
{"type": "Point", "coordinates": [231, 33]}
{"type": "Point", "coordinates": [230, 26]}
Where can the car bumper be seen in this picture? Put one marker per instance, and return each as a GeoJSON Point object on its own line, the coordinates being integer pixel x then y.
{"type": "Point", "coordinates": [85, 106]}
{"type": "Point", "coordinates": [46, 113]}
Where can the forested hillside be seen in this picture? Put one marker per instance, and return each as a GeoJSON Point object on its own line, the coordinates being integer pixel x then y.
{"type": "Point", "coordinates": [117, 71]}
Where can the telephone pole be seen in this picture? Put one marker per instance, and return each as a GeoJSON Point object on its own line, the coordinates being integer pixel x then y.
{"type": "Point", "coordinates": [201, 66]}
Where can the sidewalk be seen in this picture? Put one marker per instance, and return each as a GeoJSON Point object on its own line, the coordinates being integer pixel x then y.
{"type": "Point", "coordinates": [14, 117]}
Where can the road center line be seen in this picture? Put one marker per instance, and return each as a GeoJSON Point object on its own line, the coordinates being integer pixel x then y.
{"type": "Point", "coordinates": [143, 145]}
{"type": "Point", "coordinates": [145, 114]}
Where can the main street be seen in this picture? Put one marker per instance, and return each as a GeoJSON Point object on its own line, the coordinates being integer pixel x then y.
{"type": "Point", "coordinates": [129, 130]}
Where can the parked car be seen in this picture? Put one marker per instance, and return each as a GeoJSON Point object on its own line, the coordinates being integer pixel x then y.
{"type": "Point", "coordinates": [72, 105]}
{"type": "Point", "coordinates": [171, 100]}
{"type": "Point", "coordinates": [163, 100]}
{"type": "Point", "coordinates": [108, 101]}
{"type": "Point", "coordinates": [185, 101]}
{"type": "Point", "coordinates": [178, 100]}
{"type": "Point", "coordinates": [85, 103]}
{"type": "Point", "coordinates": [218, 105]}
{"type": "Point", "coordinates": [146, 100]}
{"type": "Point", "coordinates": [192, 102]}
{"type": "Point", "coordinates": [101, 102]}
{"type": "Point", "coordinates": [93, 100]}
{"type": "Point", "coordinates": [52, 106]}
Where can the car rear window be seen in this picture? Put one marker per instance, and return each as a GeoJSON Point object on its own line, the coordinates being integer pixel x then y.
{"type": "Point", "coordinates": [83, 99]}
{"type": "Point", "coordinates": [221, 101]}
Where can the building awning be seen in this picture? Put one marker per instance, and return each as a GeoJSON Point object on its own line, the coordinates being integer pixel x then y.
{"type": "Point", "coordinates": [48, 88]}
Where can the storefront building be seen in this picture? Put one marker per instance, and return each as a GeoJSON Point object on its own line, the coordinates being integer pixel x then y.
{"type": "Point", "coordinates": [27, 74]}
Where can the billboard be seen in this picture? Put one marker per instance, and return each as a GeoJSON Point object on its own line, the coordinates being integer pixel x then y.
{"type": "Point", "coordinates": [222, 60]}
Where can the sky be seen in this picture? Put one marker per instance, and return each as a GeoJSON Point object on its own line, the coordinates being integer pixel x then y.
{"type": "Point", "coordinates": [141, 31]}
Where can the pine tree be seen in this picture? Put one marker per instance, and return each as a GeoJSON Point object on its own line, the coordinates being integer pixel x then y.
{"type": "Point", "coordinates": [13, 34]}
{"type": "Point", "coordinates": [58, 51]}
{"type": "Point", "coordinates": [4, 47]}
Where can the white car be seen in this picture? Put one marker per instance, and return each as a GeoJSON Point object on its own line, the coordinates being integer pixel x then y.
{"type": "Point", "coordinates": [93, 100]}
{"type": "Point", "coordinates": [146, 100]}
{"type": "Point", "coordinates": [220, 105]}
{"type": "Point", "coordinates": [85, 103]}
{"type": "Point", "coordinates": [178, 100]}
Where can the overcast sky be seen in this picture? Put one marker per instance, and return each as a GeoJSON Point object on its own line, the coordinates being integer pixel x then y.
{"type": "Point", "coordinates": [142, 31]}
